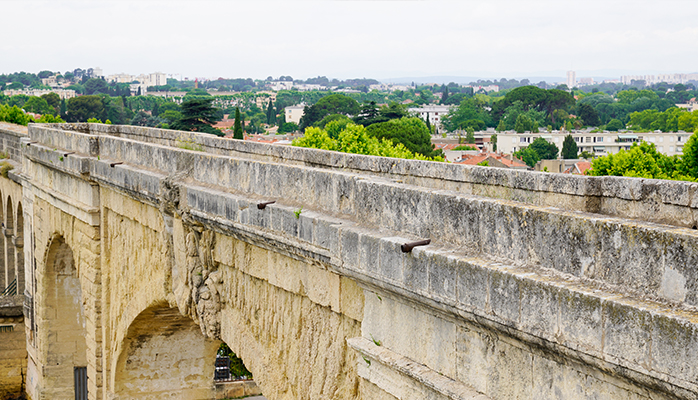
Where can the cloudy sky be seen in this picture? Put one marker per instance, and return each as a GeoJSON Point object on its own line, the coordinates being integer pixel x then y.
{"type": "Point", "coordinates": [345, 39]}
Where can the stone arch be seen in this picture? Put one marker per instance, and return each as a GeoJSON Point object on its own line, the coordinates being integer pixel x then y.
{"type": "Point", "coordinates": [4, 281]}
{"type": "Point", "coordinates": [8, 248]}
{"type": "Point", "coordinates": [64, 322]}
{"type": "Point", "coordinates": [164, 354]}
{"type": "Point", "coordinates": [18, 242]}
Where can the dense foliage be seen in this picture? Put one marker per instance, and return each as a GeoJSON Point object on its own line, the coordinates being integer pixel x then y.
{"type": "Point", "coordinates": [348, 137]}
{"type": "Point", "coordinates": [410, 132]}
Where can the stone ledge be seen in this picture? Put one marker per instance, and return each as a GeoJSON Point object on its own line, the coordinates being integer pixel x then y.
{"type": "Point", "coordinates": [379, 363]}
{"type": "Point", "coordinates": [155, 148]}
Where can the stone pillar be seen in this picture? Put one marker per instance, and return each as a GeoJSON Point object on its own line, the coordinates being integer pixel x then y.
{"type": "Point", "coordinates": [18, 246]}
{"type": "Point", "coordinates": [9, 263]}
{"type": "Point", "coordinates": [3, 266]}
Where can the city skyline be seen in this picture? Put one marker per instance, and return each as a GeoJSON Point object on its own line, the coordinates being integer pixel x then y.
{"type": "Point", "coordinates": [372, 39]}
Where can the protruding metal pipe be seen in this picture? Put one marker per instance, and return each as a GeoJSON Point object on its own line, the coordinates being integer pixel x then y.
{"type": "Point", "coordinates": [261, 206]}
{"type": "Point", "coordinates": [407, 247]}
{"type": "Point", "coordinates": [115, 163]}
{"type": "Point", "coordinates": [67, 154]}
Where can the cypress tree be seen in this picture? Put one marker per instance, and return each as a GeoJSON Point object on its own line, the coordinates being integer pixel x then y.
{"type": "Point", "coordinates": [569, 148]}
{"type": "Point", "coordinates": [428, 124]}
{"type": "Point", "coordinates": [237, 128]}
{"type": "Point", "coordinates": [270, 113]}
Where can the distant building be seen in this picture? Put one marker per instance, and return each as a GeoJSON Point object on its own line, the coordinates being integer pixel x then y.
{"type": "Point", "coordinates": [436, 113]}
{"type": "Point", "coordinates": [498, 160]}
{"type": "Point", "coordinates": [262, 99]}
{"type": "Point", "coordinates": [294, 113]}
{"type": "Point", "coordinates": [62, 93]}
{"type": "Point", "coordinates": [571, 79]}
{"type": "Point", "coordinates": [586, 81]}
{"type": "Point", "coordinates": [597, 143]}
{"type": "Point", "coordinates": [280, 85]}
{"type": "Point", "coordinates": [691, 106]}
{"type": "Point", "coordinates": [662, 78]}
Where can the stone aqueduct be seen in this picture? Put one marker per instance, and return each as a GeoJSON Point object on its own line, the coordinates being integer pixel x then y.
{"type": "Point", "coordinates": [138, 250]}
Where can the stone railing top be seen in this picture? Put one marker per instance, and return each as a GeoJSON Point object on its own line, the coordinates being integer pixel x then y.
{"type": "Point", "coordinates": [669, 202]}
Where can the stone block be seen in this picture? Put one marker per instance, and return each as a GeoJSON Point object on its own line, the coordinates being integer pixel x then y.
{"type": "Point", "coordinates": [351, 299]}
{"type": "Point", "coordinates": [627, 332]}
{"type": "Point", "coordinates": [323, 287]}
{"type": "Point", "coordinates": [392, 259]}
{"type": "Point", "coordinates": [505, 296]}
{"type": "Point", "coordinates": [472, 279]}
{"type": "Point", "coordinates": [540, 307]}
{"type": "Point", "coordinates": [442, 275]}
{"type": "Point", "coordinates": [416, 270]}
{"type": "Point", "coordinates": [581, 326]}
{"type": "Point", "coordinates": [674, 346]}
{"type": "Point", "coordinates": [349, 248]}
{"type": "Point", "coordinates": [369, 253]}
{"type": "Point", "coordinates": [306, 226]}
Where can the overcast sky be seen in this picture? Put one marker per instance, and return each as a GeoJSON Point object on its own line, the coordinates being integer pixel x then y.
{"type": "Point", "coordinates": [376, 39]}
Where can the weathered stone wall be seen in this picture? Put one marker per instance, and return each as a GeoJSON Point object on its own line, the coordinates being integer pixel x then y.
{"type": "Point", "coordinates": [13, 351]}
{"type": "Point", "coordinates": [521, 293]}
{"type": "Point", "coordinates": [10, 136]}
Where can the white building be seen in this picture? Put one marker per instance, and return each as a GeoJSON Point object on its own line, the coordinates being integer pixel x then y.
{"type": "Point", "coordinates": [121, 78]}
{"type": "Point", "coordinates": [571, 79]}
{"type": "Point", "coordinates": [62, 93]}
{"type": "Point", "coordinates": [145, 80]}
{"type": "Point", "coordinates": [599, 144]}
{"type": "Point", "coordinates": [280, 85]}
{"type": "Point", "coordinates": [666, 78]}
{"type": "Point", "coordinates": [436, 113]}
{"type": "Point", "coordinates": [294, 113]}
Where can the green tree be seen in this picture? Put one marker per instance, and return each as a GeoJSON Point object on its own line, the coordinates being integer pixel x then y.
{"type": "Point", "coordinates": [690, 157]}
{"type": "Point", "coordinates": [641, 161]}
{"type": "Point", "coordinates": [332, 104]}
{"type": "Point", "coordinates": [501, 127]}
{"type": "Point", "coordinates": [82, 108]}
{"type": "Point", "coordinates": [469, 135]}
{"type": "Point", "coordinates": [587, 114]}
{"type": "Point", "coordinates": [569, 148]}
{"type": "Point", "coordinates": [95, 86]}
{"type": "Point", "coordinates": [197, 116]}
{"type": "Point", "coordinates": [493, 140]}
{"type": "Point", "coordinates": [270, 113]}
{"type": "Point", "coordinates": [614, 125]}
{"type": "Point", "coordinates": [54, 101]}
{"type": "Point", "coordinates": [333, 117]}
{"type": "Point", "coordinates": [586, 155]}
{"type": "Point", "coordinates": [354, 139]}
{"type": "Point", "coordinates": [545, 149]}
{"type": "Point", "coordinates": [411, 132]}
{"type": "Point", "coordinates": [237, 127]}
{"type": "Point", "coordinates": [528, 156]}
{"type": "Point", "coordinates": [38, 105]}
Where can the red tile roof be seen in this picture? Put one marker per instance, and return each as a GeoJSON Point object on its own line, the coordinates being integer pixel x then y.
{"type": "Point", "coordinates": [476, 159]}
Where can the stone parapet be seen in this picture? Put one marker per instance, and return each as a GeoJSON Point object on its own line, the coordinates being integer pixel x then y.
{"type": "Point", "coordinates": [651, 200]}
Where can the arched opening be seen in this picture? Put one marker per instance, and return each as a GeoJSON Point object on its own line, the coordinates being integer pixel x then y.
{"type": "Point", "coordinates": [163, 355]}
{"type": "Point", "coordinates": [18, 241]}
{"type": "Point", "coordinates": [4, 282]}
{"type": "Point", "coordinates": [232, 378]}
{"type": "Point", "coordinates": [9, 252]}
{"type": "Point", "coordinates": [65, 322]}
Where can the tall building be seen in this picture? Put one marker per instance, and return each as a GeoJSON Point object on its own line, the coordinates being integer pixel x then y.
{"type": "Point", "coordinates": [571, 79]}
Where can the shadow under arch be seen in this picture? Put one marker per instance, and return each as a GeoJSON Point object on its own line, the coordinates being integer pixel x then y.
{"type": "Point", "coordinates": [65, 324]}
{"type": "Point", "coordinates": [8, 232]}
{"type": "Point", "coordinates": [164, 354]}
